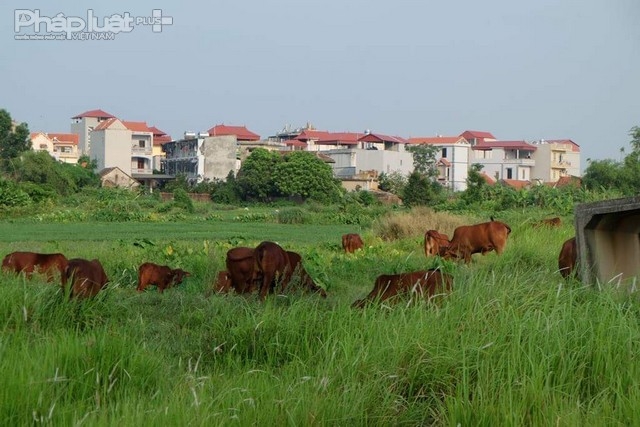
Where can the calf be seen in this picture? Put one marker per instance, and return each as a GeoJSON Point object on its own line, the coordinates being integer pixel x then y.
{"type": "Point", "coordinates": [568, 258]}
{"type": "Point", "coordinates": [435, 243]}
{"type": "Point", "coordinates": [160, 275]}
{"type": "Point", "coordinates": [223, 282]}
{"type": "Point", "coordinates": [295, 267]}
{"type": "Point", "coordinates": [352, 242]}
{"type": "Point", "coordinates": [479, 238]}
{"type": "Point", "coordinates": [33, 262]}
{"type": "Point", "coordinates": [87, 277]}
{"type": "Point", "coordinates": [272, 262]}
{"type": "Point", "coordinates": [241, 271]}
{"type": "Point", "coordinates": [425, 282]}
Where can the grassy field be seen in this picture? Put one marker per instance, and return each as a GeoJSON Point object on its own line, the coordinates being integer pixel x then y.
{"type": "Point", "coordinates": [514, 344]}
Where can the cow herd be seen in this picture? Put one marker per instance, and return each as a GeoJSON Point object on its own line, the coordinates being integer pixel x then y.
{"type": "Point", "coordinates": [269, 268]}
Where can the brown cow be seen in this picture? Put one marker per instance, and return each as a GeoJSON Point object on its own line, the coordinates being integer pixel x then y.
{"type": "Point", "coordinates": [295, 266]}
{"type": "Point", "coordinates": [223, 282]}
{"type": "Point", "coordinates": [549, 222]}
{"type": "Point", "coordinates": [435, 243]}
{"type": "Point", "coordinates": [427, 282]}
{"type": "Point", "coordinates": [87, 277]}
{"type": "Point", "coordinates": [160, 275]}
{"type": "Point", "coordinates": [479, 238]}
{"type": "Point", "coordinates": [351, 242]}
{"type": "Point", "coordinates": [568, 258]}
{"type": "Point", "coordinates": [240, 263]}
{"type": "Point", "coordinates": [33, 262]}
{"type": "Point", "coordinates": [272, 262]}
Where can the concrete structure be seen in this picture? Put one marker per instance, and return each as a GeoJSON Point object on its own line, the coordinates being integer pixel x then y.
{"type": "Point", "coordinates": [201, 157]}
{"type": "Point", "coordinates": [112, 146]}
{"type": "Point", "coordinates": [61, 146]}
{"type": "Point", "coordinates": [555, 158]}
{"type": "Point", "coordinates": [452, 160]}
{"type": "Point", "coordinates": [82, 125]}
{"type": "Point", "coordinates": [350, 162]}
{"type": "Point", "coordinates": [115, 177]}
{"type": "Point", "coordinates": [505, 159]}
{"type": "Point", "coordinates": [607, 241]}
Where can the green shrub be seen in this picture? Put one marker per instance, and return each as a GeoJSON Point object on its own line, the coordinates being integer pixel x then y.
{"type": "Point", "coordinates": [291, 216]}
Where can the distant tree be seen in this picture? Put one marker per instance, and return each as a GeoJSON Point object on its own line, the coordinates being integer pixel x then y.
{"type": "Point", "coordinates": [38, 167]}
{"type": "Point", "coordinates": [477, 187]}
{"type": "Point", "coordinates": [421, 190]}
{"type": "Point", "coordinates": [424, 159]}
{"type": "Point", "coordinates": [609, 174]}
{"type": "Point", "coordinates": [13, 142]}
{"type": "Point", "coordinates": [226, 191]}
{"type": "Point", "coordinates": [303, 174]}
{"type": "Point", "coordinates": [393, 182]}
{"type": "Point", "coordinates": [255, 175]}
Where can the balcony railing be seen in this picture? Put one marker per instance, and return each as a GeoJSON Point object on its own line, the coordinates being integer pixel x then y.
{"type": "Point", "coordinates": [144, 171]}
{"type": "Point", "coordinates": [141, 150]}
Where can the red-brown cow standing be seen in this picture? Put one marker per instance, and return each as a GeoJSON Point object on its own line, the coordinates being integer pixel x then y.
{"type": "Point", "coordinates": [160, 275]}
{"type": "Point", "coordinates": [33, 262]}
{"type": "Point", "coordinates": [241, 267]}
{"type": "Point", "coordinates": [479, 238]}
{"type": "Point", "coordinates": [426, 282]}
{"type": "Point", "coordinates": [87, 277]}
{"type": "Point", "coordinates": [306, 282]}
{"type": "Point", "coordinates": [568, 258]}
{"type": "Point", "coordinates": [352, 242]}
{"type": "Point", "coordinates": [435, 243]}
{"type": "Point", "coordinates": [272, 262]}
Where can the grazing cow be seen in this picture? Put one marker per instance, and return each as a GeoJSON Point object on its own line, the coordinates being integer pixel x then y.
{"type": "Point", "coordinates": [427, 283]}
{"type": "Point", "coordinates": [272, 262]}
{"type": "Point", "coordinates": [240, 263]}
{"type": "Point", "coordinates": [160, 275]}
{"type": "Point", "coordinates": [223, 282]}
{"type": "Point", "coordinates": [549, 222]}
{"type": "Point", "coordinates": [435, 243]}
{"type": "Point", "coordinates": [479, 238]}
{"type": "Point", "coordinates": [306, 282]}
{"type": "Point", "coordinates": [351, 242]}
{"type": "Point", "coordinates": [87, 277]}
{"type": "Point", "coordinates": [568, 258]}
{"type": "Point", "coordinates": [32, 262]}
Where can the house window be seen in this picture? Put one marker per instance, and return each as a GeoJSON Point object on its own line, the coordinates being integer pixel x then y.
{"type": "Point", "coordinates": [509, 173]}
{"type": "Point", "coordinates": [444, 153]}
{"type": "Point", "coordinates": [523, 175]}
{"type": "Point", "coordinates": [140, 163]}
{"type": "Point", "coordinates": [141, 143]}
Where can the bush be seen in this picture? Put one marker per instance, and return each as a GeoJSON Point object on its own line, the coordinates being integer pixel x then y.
{"type": "Point", "coordinates": [182, 200]}
{"type": "Point", "coordinates": [291, 216]}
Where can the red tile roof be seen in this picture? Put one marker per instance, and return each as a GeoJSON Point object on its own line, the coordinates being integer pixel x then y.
{"type": "Point", "coordinates": [469, 134]}
{"type": "Point", "coordinates": [340, 138]}
{"type": "Point", "coordinates": [517, 184]}
{"type": "Point", "coordinates": [295, 143]}
{"type": "Point", "coordinates": [94, 113]}
{"type": "Point", "coordinates": [444, 161]}
{"type": "Point", "coordinates": [105, 124]}
{"type": "Point", "coordinates": [137, 126]}
{"type": "Point", "coordinates": [312, 134]}
{"type": "Point", "coordinates": [436, 140]}
{"type": "Point", "coordinates": [69, 138]}
{"type": "Point", "coordinates": [510, 145]}
{"type": "Point", "coordinates": [564, 181]}
{"type": "Point", "coordinates": [378, 137]}
{"type": "Point", "coordinates": [488, 179]}
{"type": "Point", "coordinates": [240, 132]}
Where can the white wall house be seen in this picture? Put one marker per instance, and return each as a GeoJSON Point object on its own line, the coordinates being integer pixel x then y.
{"type": "Point", "coordinates": [556, 158]}
{"type": "Point", "coordinates": [452, 159]}
{"type": "Point", "coordinates": [82, 125]}
{"type": "Point", "coordinates": [510, 160]}
{"type": "Point", "coordinates": [201, 157]}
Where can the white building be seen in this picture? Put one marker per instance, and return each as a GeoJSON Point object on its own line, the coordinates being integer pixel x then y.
{"type": "Point", "coordinates": [452, 159]}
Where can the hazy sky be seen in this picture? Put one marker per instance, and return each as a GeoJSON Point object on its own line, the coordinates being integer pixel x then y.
{"type": "Point", "coordinates": [521, 70]}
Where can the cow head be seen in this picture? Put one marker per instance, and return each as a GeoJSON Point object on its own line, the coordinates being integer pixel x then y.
{"type": "Point", "coordinates": [178, 275]}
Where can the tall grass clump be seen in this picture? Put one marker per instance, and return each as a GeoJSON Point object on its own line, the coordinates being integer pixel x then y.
{"type": "Point", "coordinates": [415, 222]}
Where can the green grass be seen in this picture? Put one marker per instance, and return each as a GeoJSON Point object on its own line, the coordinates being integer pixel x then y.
{"type": "Point", "coordinates": [514, 344]}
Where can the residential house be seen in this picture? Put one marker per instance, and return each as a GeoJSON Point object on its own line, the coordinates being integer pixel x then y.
{"type": "Point", "coordinates": [505, 159]}
{"type": "Point", "coordinates": [61, 146]}
{"type": "Point", "coordinates": [555, 158]}
{"type": "Point", "coordinates": [240, 132]}
{"type": "Point", "coordinates": [201, 157]}
{"type": "Point", "coordinates": [82, 125]}
{"type": "Point", "coordinates": [115, 177]}
{"type": "Point", "coordinates": [474, 137]}
{"type": "Point", "coordinates": [452, 160]}
{"type": "Point", "coordinates": [159, 138]}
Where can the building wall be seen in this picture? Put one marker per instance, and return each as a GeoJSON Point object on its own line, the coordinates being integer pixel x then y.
{"type": "Point", "coordinates": [458, 156]}
{"type": "Point", "coordinates": [83, 127]}
{"type": "Point", "coordinates": [550, 157]}
{"type": "Point", "coordinates": [112, 147]}
{"type": "Point", "coordinates": [202, 158]}
{"type": "Point", "coordinates": [497, 163]}
{"type": "Point", "coordinates": [358, 160]}
{"type": "Point", "coordinates": [42, 142]}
